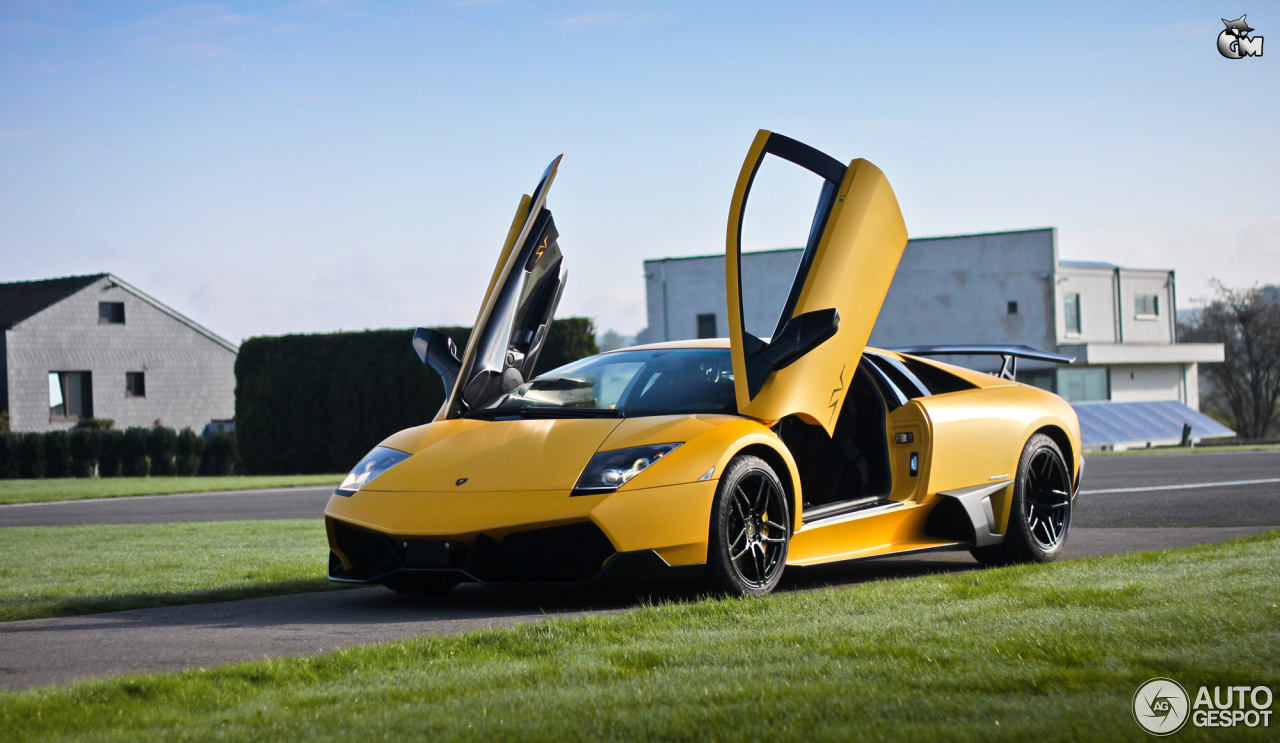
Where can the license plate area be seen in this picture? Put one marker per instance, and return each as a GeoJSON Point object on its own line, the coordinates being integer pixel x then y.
{"type": "Point", "coordinates": [423, 553]}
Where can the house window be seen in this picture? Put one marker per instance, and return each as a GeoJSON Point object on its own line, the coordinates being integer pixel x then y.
{"type": "Point", "coordinates": [707, 326]}
{"type": "Point", "coordinates": [1084, 385]}
{"type": "Point", "coordinates": [70, 396]}
{"type": "Point", "coordinates": [1013, 308]}
{"type": "Point", "coordinates": [135, 384]}
{"type": "Point", "coordinates": [111, 313]}
{"type": "Point", "coordinates": [1071, 313]}
{"type": "Point", "coordinates": [1146, 305]}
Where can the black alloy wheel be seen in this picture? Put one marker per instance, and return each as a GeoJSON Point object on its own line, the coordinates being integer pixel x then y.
{"type": "Point", "coordinates": [750, 530]}
{"type": "Point", "coordinates": [1040, 514]}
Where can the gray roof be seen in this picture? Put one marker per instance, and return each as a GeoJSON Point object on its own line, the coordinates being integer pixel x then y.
{"type": "Point", "coordinates": [22, 299]}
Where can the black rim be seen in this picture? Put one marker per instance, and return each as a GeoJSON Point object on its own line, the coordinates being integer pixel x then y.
{"type": "Point", "coordinates": [1048, 498]}
{"type": "Point", "coordinates": [756, 529]}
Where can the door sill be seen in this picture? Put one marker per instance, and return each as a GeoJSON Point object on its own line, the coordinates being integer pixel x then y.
{"type": "Point", "coordinates": [834, 510]}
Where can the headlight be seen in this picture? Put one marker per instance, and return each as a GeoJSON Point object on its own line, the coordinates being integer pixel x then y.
{"type": "Point", "coordinates": [609, 470]}
{"type": "Point", "coordinates": [374, 463]}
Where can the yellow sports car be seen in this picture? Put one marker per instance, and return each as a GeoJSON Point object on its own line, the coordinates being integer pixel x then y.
{"type": "Point", "coordinates": [720, 460]}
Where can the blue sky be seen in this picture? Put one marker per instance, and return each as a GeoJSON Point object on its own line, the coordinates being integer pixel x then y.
{"type": "Point", "coordinates": [306, 167]}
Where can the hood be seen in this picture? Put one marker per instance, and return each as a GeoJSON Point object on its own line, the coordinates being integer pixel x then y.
{"type": "Point", "coordinates": [494, 455]}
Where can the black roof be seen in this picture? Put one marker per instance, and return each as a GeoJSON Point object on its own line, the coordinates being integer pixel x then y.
{"type": "Point", "coordinates": [22, 299]}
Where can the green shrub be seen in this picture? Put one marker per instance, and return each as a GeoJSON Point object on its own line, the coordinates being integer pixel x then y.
{"type": "Point", "coordinates": [57, 454]}
{"type": "Point", "coordinates": [30, 455]}
{"type": "Point", "coordinates": [187, 450]}
{"type": "Point", "coordinates": [160, 450]}
{"type": "Point", "coordinates": [8, 455]}
{"type": "Point", "coordinates": [567, 341]}
{"type": "Point", "coordinates": [220, 455]}
{"type": "Point", "coordinates": [83, 443]}
{"type": "Point", "coordinates": [4, 421]}
{"type": "Point", "coordinates": [110, 452]}
{"type": "Point", "coordinates": [96, 424]}
{"type": "Point", "coordinates": [318, 403]}
{"type": "Point", "coordinates": [133, 453]}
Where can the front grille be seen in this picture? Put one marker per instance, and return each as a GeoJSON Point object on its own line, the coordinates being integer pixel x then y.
{"type": "Point", "coordinates": [560, 554]}
{"type": "Point", "coordinates": [370, 553]}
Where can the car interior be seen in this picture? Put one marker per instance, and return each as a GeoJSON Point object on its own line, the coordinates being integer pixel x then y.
{"type": "Point", "coordinates": [851, 469]}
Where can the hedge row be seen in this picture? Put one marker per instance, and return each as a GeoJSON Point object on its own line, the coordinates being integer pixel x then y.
{"type": "Point", "coordinates": [132, 452]}
{"type": "Point", "coordinates": [318, 403]}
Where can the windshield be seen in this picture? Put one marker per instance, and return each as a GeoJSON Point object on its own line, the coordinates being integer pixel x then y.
{"type": "Point", "coordinates": [627, 384]}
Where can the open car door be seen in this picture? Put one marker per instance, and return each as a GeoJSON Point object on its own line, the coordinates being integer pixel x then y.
{"type": "Point", "coordinates": [854, 245]}
{"type": "Point", "coordinates": [513, 321]}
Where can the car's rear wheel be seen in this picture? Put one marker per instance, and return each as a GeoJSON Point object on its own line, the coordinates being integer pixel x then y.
{"type": "Point", "coordinates": [750, 530]}
{"type": "Point", "coordinates": [421, 583]}
{"type": "Point", "coordinates": [1040, 514]}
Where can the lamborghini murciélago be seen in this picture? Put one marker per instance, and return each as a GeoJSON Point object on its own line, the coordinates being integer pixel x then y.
{"type": "Point", "coordinates": [719, 460]}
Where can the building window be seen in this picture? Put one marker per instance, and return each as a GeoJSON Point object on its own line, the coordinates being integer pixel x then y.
{"type": "Point", "coordinates": [1013, 308]}
{"type": "Point", "coordinates": [135, 384]}
{"type": "Point", "coordinates": [70, 396]}
{"type": "Point", "coordinates": [1146, 305]}
{"type": "Point", "coordinates": [111, 313]}
{"type": "Point", "coordinates": [1071, 313]}
{"type": "Point", "coordinates": [1084, 385]}
{"type": "Point", "coordinates": [707, 326]}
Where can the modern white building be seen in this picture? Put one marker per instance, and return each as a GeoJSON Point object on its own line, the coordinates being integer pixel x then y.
{"type": "Point", "coordinates": [1001, 287]}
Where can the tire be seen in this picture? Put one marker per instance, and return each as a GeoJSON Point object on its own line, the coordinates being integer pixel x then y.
{"type": "Point", "coordinates": [1040, 514]}
{"type": "Point", "coordinates": [750, 519]}
{"type": "Point", "coordinates": [421, 583]}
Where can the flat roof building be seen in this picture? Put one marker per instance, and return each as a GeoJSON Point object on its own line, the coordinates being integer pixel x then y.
{"type": "Point", "coordinates": [1000, 287]}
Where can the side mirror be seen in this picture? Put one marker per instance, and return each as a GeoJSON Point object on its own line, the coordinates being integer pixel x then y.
{"type": "Point", "coordinates": [799, 336]}
{"type": "Point", "coordinates": [438, 351]}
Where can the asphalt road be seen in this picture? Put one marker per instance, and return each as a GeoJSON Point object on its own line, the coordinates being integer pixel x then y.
{"type": "Point", "coordinates": [1120, 493]}
{"type": "Point", "coordinates": [1257, 503]}
{"type": "Point", "coordinates": [232, 505]}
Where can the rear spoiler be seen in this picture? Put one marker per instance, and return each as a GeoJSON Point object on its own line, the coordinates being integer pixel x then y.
{"type": "Point", "coordinates": [1008, 353]}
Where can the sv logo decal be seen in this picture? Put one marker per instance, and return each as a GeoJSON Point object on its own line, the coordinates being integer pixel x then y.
{"type": "Point", "coordinates": [835, 400]}
{"type": "Point", "coordinates": [541, 249]}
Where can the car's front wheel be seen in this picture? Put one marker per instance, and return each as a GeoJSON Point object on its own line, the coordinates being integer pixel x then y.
{"type": "Point", "coordinates": [750, 530]}
{"type": "Point", "coordinates": [1041, 510]}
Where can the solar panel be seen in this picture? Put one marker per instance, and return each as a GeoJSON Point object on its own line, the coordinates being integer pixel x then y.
{"type": "Point", "coordinates": [1103, 423]}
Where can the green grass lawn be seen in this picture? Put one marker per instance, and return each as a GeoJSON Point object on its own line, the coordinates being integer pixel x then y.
{"type": "Point", "coordinates": [40, 491]}
{"type": "Point", "coordinates": [1045, 653]}
{"type": "Point", "coordinates": [48, 571]}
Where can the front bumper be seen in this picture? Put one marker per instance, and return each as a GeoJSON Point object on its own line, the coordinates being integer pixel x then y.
{"type": "Point", "coordinates": [508, 538]}
{"type": "Point", "coordinates": [559, 555]}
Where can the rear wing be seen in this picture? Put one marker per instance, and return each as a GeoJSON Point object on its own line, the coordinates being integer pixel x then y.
{"type": "Point", "coordinates": [1008, 353]}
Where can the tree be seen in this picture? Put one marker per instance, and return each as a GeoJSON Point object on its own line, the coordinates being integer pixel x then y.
{"type": "Point", "coordinates": [1245, 387]}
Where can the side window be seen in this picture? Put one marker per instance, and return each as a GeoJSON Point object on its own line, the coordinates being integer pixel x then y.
{"type": "Point", "coordinates": [1146, 305]}
{"type": "Point", "coordinates": [111, 313]}
{"type": "Point", "coordinates": [135, 384]}
{"type": "Point", "coordinates": [1071, 313]}
{"type": "Point", "coordinates": [70, 396]}
{"type": "Point", "coordinates": [900, 375]}
{"type": "Point", "coordinates": [937, 381]}
{"type": "Point", "coordinates": [707, 326]}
